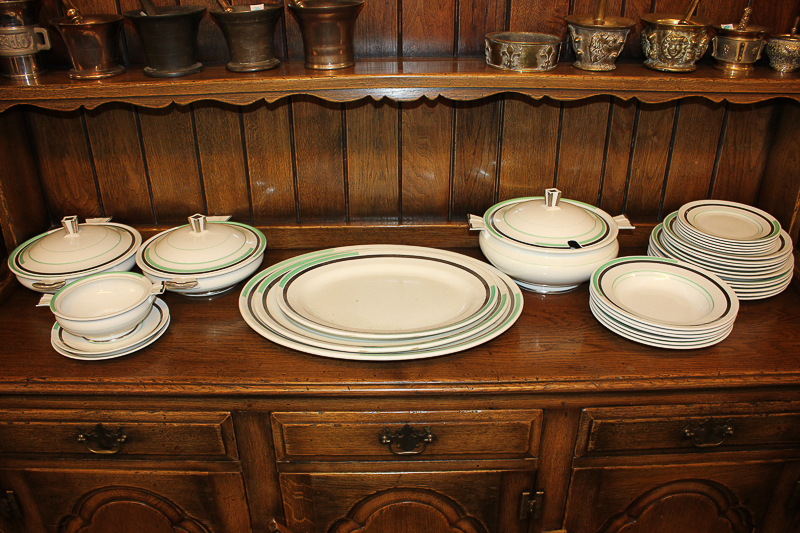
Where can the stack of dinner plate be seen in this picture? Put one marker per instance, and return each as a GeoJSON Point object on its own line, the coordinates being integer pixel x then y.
{"type": "Point", "coordinates": [662, 302]}
{"type": "Point", "coordinates": [380, 302]}
{"type": "Point", "coordinates": [741, 244]}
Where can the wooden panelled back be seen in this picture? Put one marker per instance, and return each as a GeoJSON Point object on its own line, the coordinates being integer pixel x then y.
{"type": "Point", "coordinates": [445, 28]}
{"type": "Point", "coordinates": [303, 160]}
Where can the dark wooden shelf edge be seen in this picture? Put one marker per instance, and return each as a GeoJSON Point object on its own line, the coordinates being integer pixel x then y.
{"type": "Point", "coordinates": [399, 80]}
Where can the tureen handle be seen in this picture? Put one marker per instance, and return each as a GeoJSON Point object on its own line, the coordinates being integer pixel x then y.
{"type": "Point", "coordinates": [623, 222]}
{"type": "Point", "coordinates": [44, 301]}
{"type": "Point", "coordinates": [551, 197]}
{"type": "Point", "coordinates": [51, 285]}
{"type": "Point", "coordinates": [158, 287]}
{"type": "Point", "coordinates": [70, 225]}
{"type": "Point", "coordinates": [476, 223]}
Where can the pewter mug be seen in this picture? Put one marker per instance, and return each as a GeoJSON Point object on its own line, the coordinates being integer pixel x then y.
{"type": "Point", "coordinates": [21, 39]}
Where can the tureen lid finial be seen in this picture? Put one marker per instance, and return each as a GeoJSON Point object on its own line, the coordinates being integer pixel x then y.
{"type": "Point", "coordinates": [70, 225]}
{"type": "Point", "coordinates": [198, 223]}
{"type": "Point", "coordinates": [551, 197]}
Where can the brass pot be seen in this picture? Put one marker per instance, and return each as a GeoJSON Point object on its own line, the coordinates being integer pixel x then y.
{"type": "Point", "coordinates": [783, 52]}
{"type": "Point", "coordinates": [522, 51]}
{"type": "Point", "coordinates": [597, 44]}
{"type": "Point", "coordinates": [735, 50]}
{"type": "Point", "coordinates": [249, 35]}
{"type": "Point", "coordinates": [93, 45]}
{"type": "Point", "coordinates": [671, 45]}
{"type": "Point", "coordinates": [328, 29]}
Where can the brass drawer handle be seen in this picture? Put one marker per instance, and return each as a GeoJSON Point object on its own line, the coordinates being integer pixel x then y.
{"type": "Point", "coordinates": [407, 440]}
{"type": "Point", "coordinates": [708, 433]}
{"type": "Point", "coordinates": [102, 440]}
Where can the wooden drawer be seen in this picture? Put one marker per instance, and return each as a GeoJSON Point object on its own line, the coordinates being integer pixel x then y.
{"type": "Point", "coordinates": [146, 433]}
{"type": "Point", "coordinates": [608, 431]}
{"type": "Point", "coordinates": [454, 434]}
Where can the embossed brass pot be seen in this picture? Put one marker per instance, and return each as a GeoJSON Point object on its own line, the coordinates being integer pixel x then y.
{"type": "Point", "coordinates": [597, 43]}
{"type": "Point", "coordinates": [736, 50]}
{"type": "Point", "coordinates": [672, 45]}
{"type": "Point", "coordinates": [522, 51]}
{"type": "Point", "coordinates": [328, 29]}
{"type": "Point", "coordinates": [783, 52]}
{"type": "Point", "coordinates": [169, 39]}
{"type": "Point", "coordinates": [93, 45]}
{"type": "Point", "coordinates": [21, 39]}
{"type": "Point", "coordinates": [249, 35]}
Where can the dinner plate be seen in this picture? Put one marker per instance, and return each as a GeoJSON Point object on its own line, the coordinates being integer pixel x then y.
{"type": "Point", "coordinates": [252, 295]}
{"type": "Point", "coordinates": [270, 314]}
{"type": "Point", "coordinates": [655, 341]}
{"type": "Point", "coordinates": [704, 243]}
{"type": "Point", "coordinates": [665, 292]}
{"type": "Point", "coordinates": [389, 295]}
{"type": "Point", "coordinates": [151, 330]}
{"type": "Point", "coordinates": [729, 222]}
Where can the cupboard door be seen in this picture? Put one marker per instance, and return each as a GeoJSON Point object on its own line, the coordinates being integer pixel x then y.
{"type": "Point", "coordinates": [103, 500]}
{"type": "Point", "coordinates": [695, 498]}
{"type": "Point", "coordinates": [392, 502]}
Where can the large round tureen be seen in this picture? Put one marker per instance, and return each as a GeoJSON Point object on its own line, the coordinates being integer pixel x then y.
{"type": "Point", "coordinates": [548, 244]}
{"type": "Point", "coordinates": [204, 257]}
{"type": "Point", "coordinates": [49, 261]}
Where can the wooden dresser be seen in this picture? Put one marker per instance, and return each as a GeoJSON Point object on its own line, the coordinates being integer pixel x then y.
{"type": "Point", "coordinates": [556, 425]}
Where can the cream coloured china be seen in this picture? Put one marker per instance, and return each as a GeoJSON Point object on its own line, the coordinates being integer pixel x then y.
{"type": "Point", "coordinates": [253, 308]}
{"type": "Point", "coordinates": [152, 328]}
{"type": "Point", "coordinates": [103, 306]}
{"type": "Point", "coordinates": [385, 296]}
{"type": "Point", "coordinates": [548, 244]}
{"type": "Point", "coordinates": [665, 292]}
{"type": "Point", "coordinates": [49, 261]}
{"type": "Point", "coordinates": [728, 222]}
{"type": "Point", "coordinates": [208, 256]}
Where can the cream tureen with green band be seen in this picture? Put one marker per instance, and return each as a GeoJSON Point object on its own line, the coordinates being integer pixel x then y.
{"type": "Point", "coordinates": [207, 256]}
{"type": "Point", "coordinates": [546, 243]}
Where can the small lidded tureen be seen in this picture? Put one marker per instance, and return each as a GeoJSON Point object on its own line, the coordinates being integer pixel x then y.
{"type": "Point", "coordinates": [548, 244]}
{"type": "Point", "coordinates": [208, 256]}
{"type": "Point", "coordinates": [49, 261]}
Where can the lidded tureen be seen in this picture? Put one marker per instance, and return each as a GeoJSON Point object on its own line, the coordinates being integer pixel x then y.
{"type": "Point", "coordinates": [49, 261]}
{"type": "Point", "coordinates": [207, 256]}
{"type": "Point", "coordinates": [548, 244]}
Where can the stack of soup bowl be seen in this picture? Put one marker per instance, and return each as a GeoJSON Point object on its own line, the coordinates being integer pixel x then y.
{"type": "Point", "coordinates": [662, 302]}
{"type": "Point", "coordinates": [743, 245]}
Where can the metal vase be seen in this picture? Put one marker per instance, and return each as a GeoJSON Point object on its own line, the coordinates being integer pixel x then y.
{"type": "Point", "coordinates": [21, 39]}
{"type": "Point", "coordinates": [736, 50]}
{"type": "Point", "coordinates": [327, 27]}
{"type": "Point", "coordinates": [672, 45]}
{"type": "Point", "coordinates": [249, 35]}
{"type": "Point", "coordinates": [597, 44]}
{"type": "Point", "coordinates": [169, 40]}
{"type": "Point", "coordinates": [93, 45]}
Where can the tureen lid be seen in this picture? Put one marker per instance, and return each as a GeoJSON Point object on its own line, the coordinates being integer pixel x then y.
{"type": "Point", "coordinates": [75, 249]}
{"type": "Point", "coordinates": [551, 222]}
{"type": "Point", "coordinates": [207, 245]}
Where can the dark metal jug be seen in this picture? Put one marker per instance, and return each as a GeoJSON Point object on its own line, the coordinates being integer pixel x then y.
{"type": "Point", "coordinates": [249, 35]}
{"type": "Point", "coordinates": [169, 40]}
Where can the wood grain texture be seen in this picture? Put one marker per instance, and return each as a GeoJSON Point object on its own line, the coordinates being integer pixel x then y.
{"type": "Point", "coordinates": [132, 40]}
{"type": "Point", "coordinates": [119, 162]}
{"type": "Point", "coordinates": [319, 157]}
{"type": "Point", "coordinates": [650, 156]}
{"type": "Point", "coordinates": [377, 34]}
{"type": "Point", "coordinates": [23, 209]}
{"type": "Point", "coordinates": [633, 10]}
{"type": "Point", "coordinates": [372, 160]}
{"type": "Point", "coordinates": [558, 433]}
{"type": "Point", "coordinates": [530, 140]}
{"type": "Point", "coordinates": [428, 28]}
{"type": "Point", "coordinates": [582, 149]}
{"type": "Point", "coordinates": [540, 16]}
{"type": "Point", "coordinates": [780, 188]}
{"type": "Point", "coordinates": [618, 157]}
{"type": "Point", "coordinates": [268, 137]}
{"type": "Point", "coordinates": [426, 159]}
{"type": "Point", "coordinates": [222, 161]}
{"type": "Point", "coordinates": [170, 149]}
{"type": "Point", "coordinates": [475, 161]}
{"type": "Point", "coordinates": [476, 18]}
{"type": "Point", "coordinates": [65, 164]}
{"type": "Point", "coordinates": [694, 153]}
{"type": "Point", "coordinates": [745, 148]}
